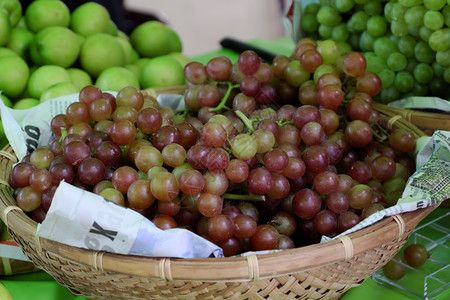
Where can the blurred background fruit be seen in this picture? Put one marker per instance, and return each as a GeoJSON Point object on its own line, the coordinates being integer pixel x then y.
{"type": "Point", "coordinates": [50, 48]}
{"type": "Point", "coordinates": [406, 42]}
{"type": "Point", "coordinates": [45, 13]}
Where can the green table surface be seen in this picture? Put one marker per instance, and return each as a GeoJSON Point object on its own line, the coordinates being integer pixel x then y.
{"type": "Point", "coordinates": [41, 286]}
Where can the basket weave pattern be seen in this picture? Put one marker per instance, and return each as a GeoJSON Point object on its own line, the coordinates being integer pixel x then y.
{"type": "Point", "coordinates": [320, 271]}
{"type": "Point", "coordinates": [324, 282]}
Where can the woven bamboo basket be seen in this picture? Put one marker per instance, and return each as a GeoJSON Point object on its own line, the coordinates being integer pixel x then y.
{"type": "Point", "coordinates": [425, 120]}
{"type": "Point", "coordinates": [319, 271]}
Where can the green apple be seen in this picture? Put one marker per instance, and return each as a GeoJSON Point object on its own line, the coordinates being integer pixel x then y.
{"type": "Point", "coordinates": [112, 28]}
{"type": "Point", "coordinates": [6, 100]}
{"type": "Point", "coordinates": [26, 103]}
{"type": "Point", "coordinates": [5, 28]}
{"type": "Point", "coordinates": [174, 41]}
{"type": "Point", "coordinates": [181, 58]}
{"type": "Point", "coordinates": [80, 78]}
{"type": "Point", "coordinates": [14, 75]}
{"type": "Point", "coordinates": [134, 69]}
{"type": "Point", "coordinates": [135, 55]}
{"type": "Point", "coordinates": [57, 90]}
{"type": "Point", "coordinates": [162, 71]}
{"type": "Point", "coordinates": [127, 50]}
{"type": "Point", "coordinates": [99, 52]}
{"type": "Point", "coordinates": [151, 39]}
{"type": "Point", "coordinates": [22, 23]}
{"type": "Point", "coordinates": [141, 62]}
{"type": "Point", "coordinates": [55, 45]}
{"type": "Point", "coordinates": [45, 13]}
{"type": "Point", "coordinates": [6, 51]}
{"type": "Point", "coordinates": [116, 78]}
{"type": "Point", "coordinates": [44, 77]}
{"type": "Point", "coordinates": [20, 41]}
{"type": "Point", "coordinates": [90, 18]}
{"type": "Point", "coordinates": [14, 10]}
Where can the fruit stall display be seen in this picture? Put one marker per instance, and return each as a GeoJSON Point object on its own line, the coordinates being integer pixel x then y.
{"type": "Point", "coordinates": [406, 42]}
{"type": "Point", "coordinates": [260, 156]}
{"type": "Point", "coordinates": [46, 51]}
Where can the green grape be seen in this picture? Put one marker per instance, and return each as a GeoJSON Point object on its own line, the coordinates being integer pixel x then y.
{"type": "Point", "coordinates": [366, 41]}
{"type": "Point", "coordinates": [374, 63]}
{"type": "Point", "coordinates": [406, 45]}
{"type": "Point", "coordinates": [434, 4]}
{"type": "Point", "coordinates": [399, 27]}
{"type": "Point", "coordinates": [447, 75]}
{"type": "Point", "coordinates": [312, 8]}
{"type": "Point", "coordinates": [394, 38]}
{"type": "Point", "coordinates": [398, 11]}
{"type": "Point", "coordinates": [434, 20]}
{"type": "Point", "coordinates": [389, 94]}
{"type": "Point", "coordinates": [412, 63]}
{"type": "Point", "coordinates": [414, 15]}
{"type": "Point", "coordinates": [396, 61]}
{"type": "Point", "coordinates": [340, 33]}
{"type": "Point", "coordinates": [410, 3]}
{"type": "Point", "coordinates": [438, 70]}
{"type": "Point", "coordinates": [377, 25]}
{"type": "Point", "coordinates": [354, 41]}
{"type": "Point", "coordinates": [325, 31]}
{"type": "Point", "coordinates": [309, 23]}
{"type": "Point", "coordinates": [373, 8]}
{"type": "Point", "coordinates": [357, 21]}
{"type": "Point", "coordinates": [425, 33]}
{"type": "Point", "coordinates": [387, 11]}
{"type": "Point", "coordinates": [344, 5]}
{"type": "Point", "coordinates": [439, 87]}
{"type": "Point", "coordinates": [423, 73]}
{"type": "Point", "coordinates": [404, 81]}
{"type": "Point", "coordinates": [387, 77]}
{"type": "Point", "coordinates": [329, 50]}
{"type": "Point", "coordinates": [328, 16]}
{"type": "Point", "coordinates": [323, 69]}
{"type": "Point", "coordinates": [443, 58]}
{"type": "Point", "coordinates": [414, 31]}
{"type": "Point", "coordinates": [344, 47]}
{"type": "Point", "coordinates": [360, 2]}
{"type": "Point", "coordinates": [419, 89]}
{"type": "Point", "coordinates": [383, 46]}
{"type": "Point", "coordinates": [446, 13]}
{"type": "Point", "coordinates": [440, 40]}
{"type": "Point", "coordinates": [424, 53]}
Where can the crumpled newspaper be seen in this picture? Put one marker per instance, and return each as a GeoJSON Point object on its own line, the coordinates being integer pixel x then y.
{"type": "Point", "coordinates": [429, 185]}
{"type": "Point", "coordinates": [83, 219]}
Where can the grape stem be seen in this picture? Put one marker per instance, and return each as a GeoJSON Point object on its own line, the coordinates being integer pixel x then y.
{"type": "Point", "coordinates": [283, 121]}
{"type": "Point", "coordinates": [380, 137]}
{"type": "Point", "coordinates": [247, 121]}
{"type": "Point", "coordinates": [63, 136]}
{"type": "Point", "coordinates": [224, 99]}
{"type": "Point", "coordinates": [247, 197]}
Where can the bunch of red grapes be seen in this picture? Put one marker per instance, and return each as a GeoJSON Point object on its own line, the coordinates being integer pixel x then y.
{"type": "Point", "coordinates": [265, 156]}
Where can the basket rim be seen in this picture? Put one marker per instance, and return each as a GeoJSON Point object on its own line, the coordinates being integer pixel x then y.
{"type": "Point", "coordinates": [244, 268]}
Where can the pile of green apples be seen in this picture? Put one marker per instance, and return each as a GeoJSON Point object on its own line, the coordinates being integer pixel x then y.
{"type": "Point", "coordinates": [47, 51]}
